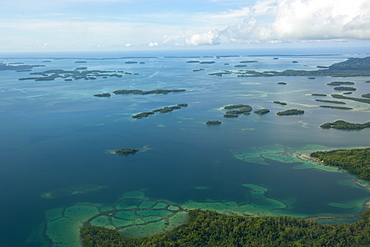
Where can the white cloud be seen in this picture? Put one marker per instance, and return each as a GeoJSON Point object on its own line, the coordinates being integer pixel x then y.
{"type": "Point", "coordinates": [153, 44]}
{"type": "Point", "coordinates": [287, 20]}
{"type": "Point", "coordinates": [176, 40]}
{"type": "Point", "coordinates": [208, 38]}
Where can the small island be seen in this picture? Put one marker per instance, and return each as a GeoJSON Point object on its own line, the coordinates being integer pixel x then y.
{"type": "Point", "coordinates": [343, 125]}
{"type": "Point", "coordinates": [290, 112]}
{"type": "Point", "coordinates": [76, 74]}
{"type": "Point", "coordinates": [336, 107]}
{"type": "Point", "coordinates": [366, 95]}
{"type": "Point", "coordinates": [339, 96]}
{"type": "Point", "coordinates": [236, 110]}
{"type": "Point", "coordinates": [281, 83]}
{"type": "Point", "coordinates": [126, 151]}
{"type": "Point", "coordinates": [319, 94]}
{"type": "Point", "coordinates": [345, 88]}
{"type": "Point", "coordinates": [165, 109]}
{"type": "Point", "coordinates": [249, 61]}
{"type": "Point", "coordinates": [262, 111]}
{"type": "Point", "coordinates": [229, 115]}
{"type": "Point", "coordinates": [331, 101]}
{"type": "Point", "coordinates": [102, 95]}
{"type": "Point", "coordinates": [340, 83]}
{"type": "Point", "coordinates": [238, 106]}
{"type": "Point", "coordinates": [213, 122]}
{"type": "Point", "coordinates": [141, 92]}
{"type": "Point", "coordinates": [279, 103]}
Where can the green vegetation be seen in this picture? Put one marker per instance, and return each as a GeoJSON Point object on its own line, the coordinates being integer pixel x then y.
{"type": "Point", "coordinates": [213, 123]}
{"type": "Point", "coordinates": [208, 228]}
{"type": "Point", "coordinates": [281, 83]}
{"type": "Point", "coordinates": [102, 95]}
{"type": "Point", "coordinates": [156, 91]}
{"type": "Point", "coordinates": [165, 109]}
{"type": "Point", "coordinates": [182, 105]}
{"type": "Point", "coordinates": [336, 107]}
{"type": "Point", "coordinates": [240, 111]}
{"type": "Point", "coordinates": [262, 111]}
{"type": "Point", "coordinates": [207, 62]}
{"type": "Point", "coordinates": [143, 115]}
{"type": "Point", "coordinates": [355, 161]}
{"type": "Point", "coordinates": [290, 112]}
{"type": "Point", "coordinates": [345, 88]}
{"type": "Point", "coordinates": [229, 115]}
{"type": "Point", "coordinates": [248, 61]}
{"type": "Point", "coordinates": [126, 151]}
{"type": "Point", "coordinates": [331, 101]}
{"type": "Point", "coordinates": [348, 68]}
{"type": "Point", "coordinates": [340, 83]}
{"type": "Point", "coordinates": [280, 103]}
{"type": "Point", "coordinates": [18, 67]}
{"type": "Point", "coordinates": [367, 95]}
{"type": "Point", "coordinates": [76, 74]}
{"type": "Point", "coordinates": [343, 125]}
{"type": "Point", "coordinates": [237, 106]}
{"type": "Point", "coordinates": [236, 110]}
{"type": "Point", "coordinates": [339, 96]}
{"type": "Point", "coordinates": [318, 94]}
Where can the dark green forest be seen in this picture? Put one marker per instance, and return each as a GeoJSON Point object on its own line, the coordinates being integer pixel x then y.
{"type": "Point", "coordinates": [208, 228]}
{"type": "Point", "coordinates": [355, 161]}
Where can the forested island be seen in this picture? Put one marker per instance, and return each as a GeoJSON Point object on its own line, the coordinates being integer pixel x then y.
{"type": "Point", "coordinates": [340, 83]}
{"type": "Point", "coordinates": [165, 109]}
{"type": "Point", "coordinates": [126, 151]}
{"type": "Point", "coordinates": [331, 101]}
{"type": "Point", "coordinates": [102, 95]}
{"type": "Point", "coordinates": [141, 92]}
{"type": "Point", "coordinates": [279, 103]}
{"type": "Point", "coordinates": [262, 111]}
{"type": "Point", "coordinates": [336, 107]}
{"type": "Point", "coordinates": [339, 96]}
{"type": "Point", "coordinates": [76, 74]}
{"type": "Point", "coordinates": [348, 68]}
{"type": "Point", "coordinates": [290, 112]}
{"type": "Point", "coordinates": [355, 161]}
{"type": "Point", "coordinates": [236, 110]}
{"type": "Point", "coordinates": [213, 122]}
{"type": "Point", "coordinates": [18, 67]}
{"type": "Point", "coordinates": [343, 125]}
{"type": "Point", "coordinates": [208, 228]}
{"type": "Point", "coordinates": [345, 88]}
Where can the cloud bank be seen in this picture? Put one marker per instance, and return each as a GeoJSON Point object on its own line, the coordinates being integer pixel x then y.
{"type": "Point", "coordinates": [273, 21]}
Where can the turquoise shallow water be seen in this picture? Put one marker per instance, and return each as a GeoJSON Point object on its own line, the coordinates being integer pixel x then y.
{"type": "Point", "coordinates": [57, 170]}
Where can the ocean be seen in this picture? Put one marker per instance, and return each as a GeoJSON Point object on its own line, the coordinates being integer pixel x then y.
{"type": "Point", "coordinates": [58, 169]}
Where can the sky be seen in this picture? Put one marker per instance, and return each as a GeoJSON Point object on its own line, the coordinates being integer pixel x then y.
{"type": "Point", "coordinates": [94, 25]}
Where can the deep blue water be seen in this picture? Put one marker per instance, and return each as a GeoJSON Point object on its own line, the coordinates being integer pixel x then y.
{"type": "Point", "coordinates": [55, 134]}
